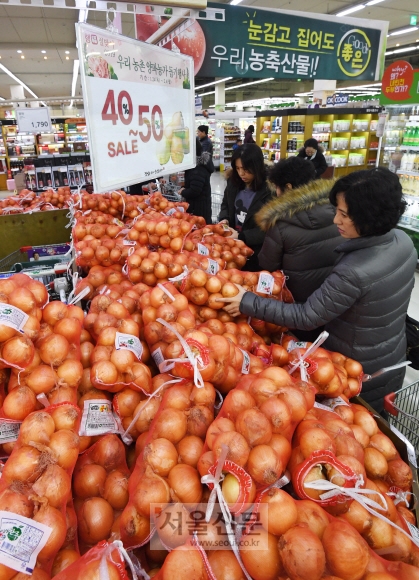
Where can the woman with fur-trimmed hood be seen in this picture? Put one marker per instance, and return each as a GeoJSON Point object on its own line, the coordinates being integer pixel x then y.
{"type": "Point", "coordinates": [300, 234]}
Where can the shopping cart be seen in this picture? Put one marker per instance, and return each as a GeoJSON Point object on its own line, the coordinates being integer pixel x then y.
{"type": "Point", "coordinates": [403, 412]}
{"type": "Point", "coordinates": [216, 200]}
{"type": "Point", "coordinates": [170, 191]}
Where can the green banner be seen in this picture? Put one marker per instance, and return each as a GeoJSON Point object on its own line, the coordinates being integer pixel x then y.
{"type": "Point", "coordinates": [400, 84]}
{"type": "Point", "coordinates": [261, 43]}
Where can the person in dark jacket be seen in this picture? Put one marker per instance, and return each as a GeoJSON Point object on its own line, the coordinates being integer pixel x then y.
{"type": "Point", "coordinates": [300, 234]}
{"type": "Point", "coordinates": [312, 152]}
{"type": "Point", "coordinates": [247, 191]}
{"type": "Point", "coordinates": [248, 134]}
{"type": "Point", "coordinates": [197, 190]}
{"type": "Point", "coordinates": [364, 300]}
{"type": "Point", "coordinates": [202, 133]}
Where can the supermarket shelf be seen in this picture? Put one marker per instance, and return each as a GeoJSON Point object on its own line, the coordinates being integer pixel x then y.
{"type": "Point", "coordinates": [403, 172]}
{"type": "Point", "coordinates": [403, 147]}
{"type": "Point", "coordinates": [411, 195]}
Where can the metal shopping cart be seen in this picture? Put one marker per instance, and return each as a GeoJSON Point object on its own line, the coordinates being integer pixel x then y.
{"type": "Point", "coordinates": [403, 412]}
{"type": "Point", "coordinates": [216, 200]}
{"type": "Point", "coordinates": [170, 191]}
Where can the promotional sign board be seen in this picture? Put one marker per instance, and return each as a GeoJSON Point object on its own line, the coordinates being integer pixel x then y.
{"type": "Point", "coordinates": [33, 120]}
{"type": "Point", "coordinates": [400, 84]}
{"type": "Point", "coordinates": [139, 105]}
{"type": "Point", "coordinates": [337, 100]}
{"type": "Point", "coordinates": [261, 43]}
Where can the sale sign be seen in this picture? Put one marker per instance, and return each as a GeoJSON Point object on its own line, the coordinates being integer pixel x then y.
{"type": "Point", "coordinates": [139, 107]}
{"type": "Point", "coordinates": [400, 84]}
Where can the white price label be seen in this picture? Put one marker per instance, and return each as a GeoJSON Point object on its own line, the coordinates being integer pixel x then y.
{"type": "Point", "coordinates": [213, 267]}
{"type": "Point", "coordinates": [118, 222]}
{"type": "Point", "coordinates": [323, 407]}
{"type": "Point", "coordinates": [129, 342]}
{"type": "Point", "coordinates": [21, 540]}
{"type": "Point", "coordinates": [296, 344]}
{"type": "Point", "coordinates": [411, 453]}
{"type": "Point", "coordinates": [129, 243]}
{"type": "Point", "coordinates": [171, 211]}
{"type": "Point", "coordinates": [9, 431]}
{"type": "Point", "coordinates": [12, 316]}
{"type": "Point", "coordinates": [203, 250]}
{"type": "Point", "coordinates": [98, 418]}
{"type": "Point", "coordinates": [181, 209]}
{"type": "Point", "coordinates": [158, 356]}
{"type": "Point", "coordinates": [265, 284]}
{"type": "Point", "coordinates": [246, 362]}
{"type": "Point", "coordinates": [335, 402]}
{"type": "Point", "coordinates": [33, 120]}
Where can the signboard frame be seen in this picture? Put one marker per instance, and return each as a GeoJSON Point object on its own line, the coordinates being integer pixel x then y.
{"type": "Point", "coordinates": [134, 137]}
{"type": "Point", "coordinates": [34, 116]}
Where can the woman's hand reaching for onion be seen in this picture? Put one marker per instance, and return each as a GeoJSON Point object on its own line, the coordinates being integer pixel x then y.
{"type": "Point", "coordinates": [233, 302]}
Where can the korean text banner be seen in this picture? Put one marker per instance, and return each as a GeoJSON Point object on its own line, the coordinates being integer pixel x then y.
{"type": "Point", "coordinates": [259, 43]}
{"type": "Point", "coordinates": [400, 84]}
{"type": "Point", "coordinates": [139, 105]}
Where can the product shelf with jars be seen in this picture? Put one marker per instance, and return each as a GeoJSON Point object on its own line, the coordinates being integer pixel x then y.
{"type": "Point", "coordinates": [53, 142]}
{"type": "Point", "coordinates": [269, 138]}
{"type": "Point", "coordinates": [347, 135]}
{"type": "Point", "coordinates": [229, 133]}
{"type": "Point", "coordinates": [76, 138]}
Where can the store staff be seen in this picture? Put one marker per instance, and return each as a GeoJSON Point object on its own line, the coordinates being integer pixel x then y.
{"type": "Point", "coordinates": [313, 152]}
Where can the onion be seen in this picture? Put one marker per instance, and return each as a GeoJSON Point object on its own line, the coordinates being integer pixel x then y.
{"type": "Point", "coordinates": [224, 565]}
{"type": "Point", "coordinates": [365, 420]}
{"type": "Point", "coordinates": [314, 474]}
{"type": "Point", "coordinates": [42, 379]}
{"type": "Point", "coordinates": [231, 488]}
{"type": "Point", "coordinates": [254, 427]}
{"type": "Point", "coordinates": [54, 349]}
{"type": "Point", "coordinates": [190, 450]}
{"type": "Point", "coordinates": [383, 444]}
{"type": "Point", "coordinates": [89, 481]}
{"type": "Point", "coordinates": [63, 559]}
{"type": "Point", "coordinates": [70, 372]}
{"type": "Point", "coordinates": [238, 448]}
{"type": "Point", "coordinates": [220, 425]}
{"type": "Point", "coordinates": [53, 518]}
{"type": "Point", "coordinates": [95, 519]}
{"type": "Point", "coordinates": [170, 424]}
{"type": "Point", "coordinates": [206, 460]}
{"type": "Point", "coordinates": [399, 474]}
{"type": "Point", "coordinates": [237, 401]}
{"type": "Point", "coordinates": [151, 494]}
{"type": "Point", "coordinates": [65, 417]}
{"type": "Point", "coordinates": [23, 299]}
{"type": "Point", "coordinates": [278, 413]}
{"type": "Point", "coordinates": [126, 401]}
{"type": "Point", "coordinates": [108, 451]}
{"type": "Point", "coordinates": [315, 439]}
{"type": "Point", "coordinates": [360, 435]}
{"type": "Point", "coordinates": [15, 501]}
{"type": "Point", "coordinates": [302, 553]}
{"type": "Point", "coordinates": [313, 515]}
{"type": "Point", "coordinates": [6, 332]}
{"type": "Point", "coordinates": [19, 403]}
{"type": "Point", "coordinates": [199, 418]}
{"type": "Point", "coordinates": [38, 427]}
{"type": "Point", "coordinates": [375, 463]}
{"type": "Point", "coordinates": [203, 395]}
{"type": "Point", "coordinates": [161, 456]}
{"type": "Point", "coordinates": [379, 535]}
{"type": "Point", "coordinates": [148, 410]}
{"type": "Point", "coordinates": [179, 530]}
{"type": "Point", "coordinates": [280, 512]}
{"type": "Point", "coordinates": [264, 465]}
{"type": "Point", "coordinates": [70, 328]}
{"type": "Point", "coordinates": [32, 328]}
{"type": "Point", "coordinates": [186, 559]}
{"type": "Point", "coordinates": [358, 517]}
{"type": "Point", "coordinates": [54, 484]}
{"type": "Point", "coordinates": [65, 446]}
{"type": "Point", "coordinates": [347, 553]}
{"type": "Point", "coordinates": [265, 562]}
{"type": "Point", "coordinates": [18, 351]}
{"type": "Point", "coordinates": [116, 489]}
{"type": "Point", "coordinates": [53, 312]}
{"type": "Point", "coordinates": [185, 484]}
{"type": "Point", "coordinates": [135, 528]}
{"type": "Point", "coordinates": [349, 446]}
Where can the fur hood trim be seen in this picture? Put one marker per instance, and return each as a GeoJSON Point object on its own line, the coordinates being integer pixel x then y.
{"type": "Point", "coordinates": [294, 201]}
{"type": "Point", "coordinates": [204, 158]}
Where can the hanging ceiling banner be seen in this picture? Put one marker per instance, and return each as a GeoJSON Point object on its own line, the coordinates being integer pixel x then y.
{"type": "Point", "coordinates": [139, 105]}
{"type": "Point", "coordinates": [259, 43]}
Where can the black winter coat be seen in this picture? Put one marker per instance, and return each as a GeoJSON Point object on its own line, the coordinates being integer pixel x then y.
{"type": "Point", "coordinates": [319, 162]}
{"type": "Point", "coordinates": [300, 237]}
{"type": "Point", "coordinates": [363, 303]}
{"type": "Point", "coordinates": [206, 145]}
{"type": "Point", "coordinates": [251, 233]}
{"type": "Point", "coordinates": [197, 191]}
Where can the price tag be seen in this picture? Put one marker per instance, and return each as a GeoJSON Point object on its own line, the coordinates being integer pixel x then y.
{"type": "Point", "coordinates": [118, 222]}
{"type": "Point", "coordinates": [323, 407]}
{"type": "Point", "coordinates": [158, 356]}
{"type": "Point", "coordinates": [181, 209]}
{"type": "Point", "coordinates": [411, 453]}
{"type": "Point", "coordinates": [9, 431]}
{"type": "Point", "coordinates": [265, 284]}
{"type": "Point", "coordinates": [21, 540]}
{"type": "Point", "coordinates": [171, 211]}
{"type": "Point", "coordinates": [335, 402]}
{"type": "Point", "coordinates": [33, 120]}
{"type": "Point", "coordinates": [98, 418]}
{"type": "Point", "coordinates": [129, 243]}
{"type": "Point", "coordinates": [296, 344]}
{"type": "Point", "coordinates": [246, 362]}
{"type": "Point", "coordinates": [129, 342]}
{"type": "Point", "coordinates": [203, 250]}
{"type": "Point", "coordinates": [140, 122]}
{"type": "Point", "coordinates": [12, 316]}
{"type": "Point", "coordinates": [213, 267]}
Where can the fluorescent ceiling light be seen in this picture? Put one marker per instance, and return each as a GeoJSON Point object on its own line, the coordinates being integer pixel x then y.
{"type": "Point", "coordinates": [8, 72]}
{"type": "Point", "coordinates": [43, 51]}
{"type": "Point", "coordinates": [203, 94]}
{"type": "Point", "coordinates": [351, 10]}
{"type": "Point", "coordinates": [76, 65]}
{"type": "Point", "coordinates": [83, 15]}
{"type": "Point", "coordinates": [372, 2]}
{"type": "Point", "coordinates": [408, 49]}
{"type": "Point", "coordinates": [403, 31]}
{"type": "Point", "coordinates": [213, 83]}
{"type": "Point", "coordinates": [1, 99]}
{"type": "Point", "coordinates": [239, 87]}
{"type": "Point", "coordinates": [235, 2]}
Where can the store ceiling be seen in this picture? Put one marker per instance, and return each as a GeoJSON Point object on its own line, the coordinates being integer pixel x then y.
{"type": "Point", "coordinates": [33, 30]}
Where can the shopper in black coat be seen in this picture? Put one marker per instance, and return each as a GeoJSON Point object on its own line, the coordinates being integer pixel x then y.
{"type": "Point", "coordinates": [246, 193]}
{"type": "Point", "coordinates": [313, 153]}
{"type": "Point", "coordinates": [197, 190]}
{"type": "Point", "coordinates": [364, 300]}
{"type": "Point", "coordinates": [248, 134]}
{"type": "Point", "coordinates": [205, 141]}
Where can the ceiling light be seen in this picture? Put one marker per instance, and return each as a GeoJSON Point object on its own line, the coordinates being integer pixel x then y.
{"type": "Point", "coordinates": [1, 99]}
{"type": "Point", "coordinates": [83, 15]}
{"type": "Point", "coordinates": [351, 10]}
{"type": "Point", "coordinates": [408, 49]}
{"type": "Point", "coordinates": [67, 58]}
{"type": "Point", "coordinates": [213, 83]}
{"type": "Point", "coordinates": [19, 51]}
{"type": "Point", "coordinates": [45, 58]}
{"type": "Point", "coordinates": [21, 56]}
{"type": "Point", "coordinates": [235, 2]}
{"type": "Point", "coordinates": [203, 94]}
{"type": "Point", "coordinates": [43, 51]}
{"type": "Point", "coordinates": [403, 31]}
{"type": "Point", "coordinates": [239, 87]}
{"type": "Point", "coordinates": [372, 2]}
{"type": "Point", "coordinates": [8, 72]}
{"type": "Point", "coordinates": [398, 44]}
{"type": "Point", "coordinates": [67, 52]}
{"type": "Point", "coordinates": [76, 65]}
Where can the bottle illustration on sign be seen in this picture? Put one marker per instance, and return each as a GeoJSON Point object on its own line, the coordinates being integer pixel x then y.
{"type": "Point", "coordinates": [175, 141]}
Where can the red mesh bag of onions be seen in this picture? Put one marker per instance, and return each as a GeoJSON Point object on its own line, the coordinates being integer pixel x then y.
{"type": "Point", "coordinates": [35, 488]}
{"type": "Point", "coordinates": [153, 229]}
{"type": "Point", "coordinates": [100, 490]}
{"type": "Point", "coordinates": [165, 476]}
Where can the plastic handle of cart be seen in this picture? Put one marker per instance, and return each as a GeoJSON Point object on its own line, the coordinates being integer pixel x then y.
{"type": "Point", "coordinates": [358, 494]}
{"type": "Point", "coordinates": [217, 493]}
{"type": "Point", "coordinates": [366, 378]}
{"type": "Point", "coordinates": [318, 342]}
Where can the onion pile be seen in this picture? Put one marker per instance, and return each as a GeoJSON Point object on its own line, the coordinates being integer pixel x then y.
{"type": "Point", "coordinates": [100, 488]}
{"type": "Point", "coordinates": [36, 479]}
{"type": "Point", "coordinates": [28, 201]}
{"type": "Point", "coordinates": [234, 252]}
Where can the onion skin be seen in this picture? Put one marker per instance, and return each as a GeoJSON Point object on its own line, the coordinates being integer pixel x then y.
{"type": "Point", "coordinates": [186, 559]}
{"type": "Point", "coordinates": [265, 563]}
{"type": "Point", "coordinates": [347, 554]}
{"type": "Point", "coordinates": [302, 553]}
{"type": "Point", "coordinates": [224, 565]}
{"type": "Point", "coordinates": [55, 485]}
{"type": "Point", "coordinates": [185, 484]}
{"type": "Point", "coordinates": [95, 519]}
{"type": "Point", "coordinates": [313, 515]}
{"type": "Point", "coordinates": [54, 519]}
{"type": "Point", "coordinates": [135, 528]}
{"type": "Point", "coordinates": [281, 513]}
